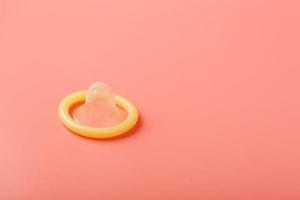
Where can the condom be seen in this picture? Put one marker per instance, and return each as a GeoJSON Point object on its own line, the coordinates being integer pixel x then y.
{"type": "Point", "coordinates": [97, 112]}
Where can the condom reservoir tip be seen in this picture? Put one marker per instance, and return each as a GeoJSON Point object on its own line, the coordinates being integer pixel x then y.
{"type": "Point", "coordinates": [100, 108]}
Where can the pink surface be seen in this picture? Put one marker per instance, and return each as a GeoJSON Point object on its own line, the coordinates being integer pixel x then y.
{"type": "Point", "coordinates": [217, 85]}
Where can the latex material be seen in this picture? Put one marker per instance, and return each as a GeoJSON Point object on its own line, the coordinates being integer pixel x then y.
{"type": "Point", "coordinates": [98, 132]}
{"type": "Point", "coordinates": [100, 108]}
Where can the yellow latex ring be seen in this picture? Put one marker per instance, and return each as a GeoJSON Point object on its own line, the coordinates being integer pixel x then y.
{"type": "Point", "coordinates": [93, 132]}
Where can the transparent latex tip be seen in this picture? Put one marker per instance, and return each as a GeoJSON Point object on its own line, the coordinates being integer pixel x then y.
{"type": "Point", "coordinates": [100, 108]}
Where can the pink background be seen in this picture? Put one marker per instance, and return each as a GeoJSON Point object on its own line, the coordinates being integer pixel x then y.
{"type": "Point", "coordinates": [217, 84]}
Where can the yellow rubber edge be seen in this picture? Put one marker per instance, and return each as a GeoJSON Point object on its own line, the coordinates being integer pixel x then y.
{"type": "Point", "coordinates": [93, 132]}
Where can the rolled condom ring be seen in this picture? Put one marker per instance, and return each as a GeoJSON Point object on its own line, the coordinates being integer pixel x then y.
{"type": "Point", "coordinates": [97, 112]}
